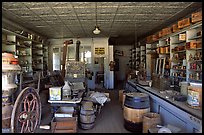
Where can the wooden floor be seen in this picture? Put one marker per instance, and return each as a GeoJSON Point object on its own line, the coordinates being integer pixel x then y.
{"type": "Point", "coordinates": [110, 119]}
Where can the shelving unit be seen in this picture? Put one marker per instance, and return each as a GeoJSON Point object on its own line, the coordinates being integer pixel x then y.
{"type": "Point", "coordinates": [28, 51]}
{"type": "Point", "coordinates": [182, 51]}
{"type": "Point", "coordinates": [132, 61]}
{"type": "Point", "coordinates": [37, 56]}
{"type": "Point", "coordinates": [194, 53]}
{"type": "Point", "coordinates": [143, 55]}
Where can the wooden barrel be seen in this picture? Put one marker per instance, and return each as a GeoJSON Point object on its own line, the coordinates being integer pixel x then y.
{"type": "Point", "coordinates": [87, 116]}
{"type": "Point", "coordinates": [150, 120]}
{"type": "Point", "coordinates": [135, 106]}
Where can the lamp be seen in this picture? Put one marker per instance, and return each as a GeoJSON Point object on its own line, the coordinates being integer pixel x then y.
{"type": "Point", "coordinates": [97, 30]}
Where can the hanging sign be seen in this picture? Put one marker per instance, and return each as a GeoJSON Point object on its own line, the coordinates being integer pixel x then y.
{"type": "Point", "coordinates": [99, 50]}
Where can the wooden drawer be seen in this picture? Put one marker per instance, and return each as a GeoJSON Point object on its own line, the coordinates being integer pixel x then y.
{"type": "Point", "coordinates": [196, 17]}
{"type": "Point", "coordinates": [64, 125]}
{"type": "Point", "coordinates": [184, 23]}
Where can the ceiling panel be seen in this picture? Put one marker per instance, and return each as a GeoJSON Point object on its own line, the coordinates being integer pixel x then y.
{"type": "Point", "coordinates": [64, 19]}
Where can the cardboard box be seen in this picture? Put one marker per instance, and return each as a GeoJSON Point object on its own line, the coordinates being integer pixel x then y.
{"type": "Point", "coordinates": [64, 125]}
{"type": "Point", "coordinates": [55, 93]}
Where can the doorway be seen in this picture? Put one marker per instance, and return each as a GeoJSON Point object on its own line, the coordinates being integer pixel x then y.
{"type": "Point", "coordinates": [99, 72]}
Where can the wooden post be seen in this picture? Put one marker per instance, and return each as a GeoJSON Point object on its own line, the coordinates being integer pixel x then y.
{"type": "Point", "coordinates": [67, 42]}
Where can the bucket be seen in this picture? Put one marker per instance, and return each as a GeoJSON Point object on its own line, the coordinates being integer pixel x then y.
{"type": "Point", "coordinates": [150, 120]}
{"type": "Point", "coordinates": [194, 98]}
{"type": "Point", "coordinates": [87, 115]}
{"type": "Point", "coordinates": [135, 106]}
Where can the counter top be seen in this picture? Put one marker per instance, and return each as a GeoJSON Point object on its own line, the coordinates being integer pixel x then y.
{"type": "Point", "coordinates": [181, 105]}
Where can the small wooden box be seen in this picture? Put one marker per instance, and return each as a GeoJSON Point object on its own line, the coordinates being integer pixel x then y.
{"type": "Point", "coordinates": [199, 45]}
{"type": "Point", "coordinates": [166, 31]}
{"type": "Point", "coordinates": [184, 23]}
{"type": "Point", "coordinates": [182, 37]}
{"type": "Point", "coordinates": [193, 44]}
{"type": "Point", "coordinates": [64, 125]}
{"type": "Point", "coordinates": [196, 17]}
{"type": "Point", "coordinates": [175, 27]}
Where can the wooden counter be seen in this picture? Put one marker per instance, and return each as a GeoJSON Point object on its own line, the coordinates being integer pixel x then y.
{"type": "Point", "coordinates": [172, 112]}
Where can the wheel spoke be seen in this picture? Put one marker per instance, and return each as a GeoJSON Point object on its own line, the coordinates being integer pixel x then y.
{"type": "Point", "coordinates": [22, 128]}
{"type": "Point", "coordinates": [33, 104]}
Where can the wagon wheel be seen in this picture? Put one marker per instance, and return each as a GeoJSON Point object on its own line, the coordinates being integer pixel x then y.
{"type": "Point", "coordinates": [26, 114]}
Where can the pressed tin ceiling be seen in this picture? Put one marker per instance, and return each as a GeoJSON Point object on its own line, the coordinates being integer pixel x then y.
{"type": "Point", "coordinates": [78, 19]}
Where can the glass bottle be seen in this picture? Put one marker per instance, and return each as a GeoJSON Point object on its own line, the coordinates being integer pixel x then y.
{"type": "Point", "coordinates": [66, 90]}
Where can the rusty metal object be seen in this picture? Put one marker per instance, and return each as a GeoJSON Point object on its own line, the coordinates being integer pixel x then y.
{"type": "Point", "coordinates": [26, 114]}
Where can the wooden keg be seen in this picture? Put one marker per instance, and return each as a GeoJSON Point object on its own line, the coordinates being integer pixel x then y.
{"type": "Point", "coordinates": [150, 120]}
{"type": "Point", "coordinates": [87, 115]}
{"type": "Point", "coordinates": [135, 106]}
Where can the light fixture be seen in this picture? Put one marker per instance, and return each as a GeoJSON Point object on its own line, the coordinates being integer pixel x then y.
{"type": "Point", "coordinates": [96, 30]}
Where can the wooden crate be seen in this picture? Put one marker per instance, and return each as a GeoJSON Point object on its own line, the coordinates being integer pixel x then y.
{"type": "Point", "coordinates": [166, 31]}
{"type": "Point", "coordinates": [184, 23]}
{"type": "Point", "coordinates": [64, 125]}
{"type": "Point", "coordinates": [196, 17]}
{"type": "Point", "coordinates": [175, 27]}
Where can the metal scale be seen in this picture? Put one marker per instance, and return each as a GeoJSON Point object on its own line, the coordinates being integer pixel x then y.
{"type": "Point", "coordinates": [24, 114]}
